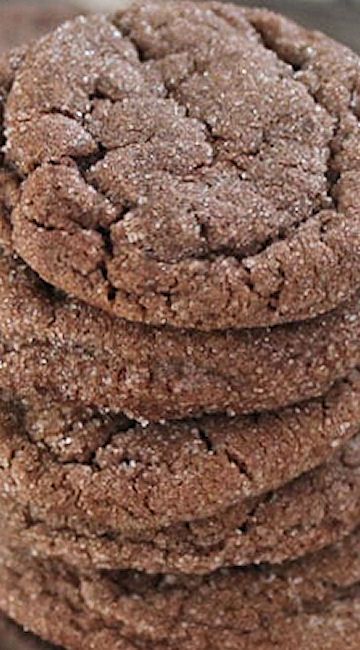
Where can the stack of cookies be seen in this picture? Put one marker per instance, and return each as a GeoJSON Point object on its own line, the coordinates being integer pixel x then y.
{"type": "Point", "coordinates": [179, 287]}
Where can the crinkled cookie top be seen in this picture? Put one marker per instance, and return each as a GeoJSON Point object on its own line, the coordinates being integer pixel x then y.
{"type": "Point", "coordinates": [191, 164]}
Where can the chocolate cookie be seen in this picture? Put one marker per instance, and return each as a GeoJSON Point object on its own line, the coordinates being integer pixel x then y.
{"type": "Point", "coordinates": [316, 510]}
{"type": "Point", "coordinates": [155, 374]}
{"type": "Point", "coordinates": [9, 180]}
{"type": "Point", "coordinates": [51, 343]}
{"type": "Point", "coordinates": [189, 164]}
{"type": "Point", "coordinates": [310, 604]}
{"type": "Point", "coordinates": [103, 490]}
{"type": "Point", "coordinates": [21, 22]}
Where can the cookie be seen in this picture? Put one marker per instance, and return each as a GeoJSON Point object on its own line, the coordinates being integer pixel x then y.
{"type": "Point", "coordinates": [147, 196]}
{"type": "Point", "coordinates": [9, 181]}
{"type": "Point", "coordinates": [308, 605]}
{"type": "Point", "coordinates": [20, 22]}
{"type": "Point", "coordinates": [155, 374]}
{"type": "Point", "coordinates": [100, 489]}
{"type": "Point", "coordinates": [314, 511]}
{"type": "Point", "coordinates": [51, 343]}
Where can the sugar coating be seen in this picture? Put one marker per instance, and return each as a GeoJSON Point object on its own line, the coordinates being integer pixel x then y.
{"type": "Point", "coordinates": [193, 166]}
{"type": "Point", "coordinates": [309, 604]}
{"type": "Point", "coordinates": [189, 164]}
{"type": "Point", "coordinates": [100, 491]}
{"type": "Point", "coordinates": [51, 343]}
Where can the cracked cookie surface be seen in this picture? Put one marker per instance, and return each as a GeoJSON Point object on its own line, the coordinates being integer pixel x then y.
{"type": "Point", "coordinates": [200, 171]}
{"type": "Point", "coordinates": [309, 604]}
{"type": "Point", "coordinates": [100, 490]}
{"type": "Point", "coordinates": [316, 510]}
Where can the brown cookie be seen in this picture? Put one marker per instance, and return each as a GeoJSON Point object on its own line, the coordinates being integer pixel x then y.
{"type": "Point", "coordinates": [312, 512]}
{"type": "Point", "coordinates": [156, 374]}
{"type": "Point", "coordinates": [20, 22]}
{"type": "Point", "coordinates": [190, 164]}
{"type": "Point", "coordinates": [106, 491]}
{"type": "Point", "coordinates": [311, 604]}
{"type": "Point", "coordinates": [9, 180]}
{"type": "Point", "coordinates": [53, 344]}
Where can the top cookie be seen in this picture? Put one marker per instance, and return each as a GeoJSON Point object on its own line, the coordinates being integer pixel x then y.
{"type": "Point", "coordinates": [191, 164]}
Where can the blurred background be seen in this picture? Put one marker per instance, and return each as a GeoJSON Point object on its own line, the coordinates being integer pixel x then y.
{"type": "Point", "coordinates": [340, 18]}
{"type": "Point", "coordinates": [22, 20]}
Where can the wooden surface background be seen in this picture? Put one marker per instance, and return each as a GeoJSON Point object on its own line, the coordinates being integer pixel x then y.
{"type": "Point", "coordinates": [339, 18]}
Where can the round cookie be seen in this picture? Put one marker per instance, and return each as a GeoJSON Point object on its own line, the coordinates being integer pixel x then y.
{"type": "Point", "coordinates": [101, 489]}
{"type": "Point", "coordinates": [314, 511]}
{"type": "Point", "coordinates": [51, 343]}
{"type": "Point", "coordinates": [155, 374]}
{"type": "Point", "coordinates": [308, 605]}
{"type": "Point", "coordinates": [21, 22]}
{"type": "Point", "coordinates": [145, 195]}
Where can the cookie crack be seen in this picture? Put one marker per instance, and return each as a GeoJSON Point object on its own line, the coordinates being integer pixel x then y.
{"type": "Point", "coordinates": [241, 464]}
{"type": "Point", "coordinates": [273, 299]}
{"type": "Point", "coordinates": [115, 275]}
{"type": "Point", "coordinates": [85, 163]}
{"type": "Point", "coordinates": [206, 440]}
{"type": "Point", "coordinates": [332, 177]}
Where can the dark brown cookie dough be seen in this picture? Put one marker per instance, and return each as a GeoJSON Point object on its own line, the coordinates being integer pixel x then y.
{"type": "Point", "coordinates": [53, 344]}
{"type": "Point", "coordinates": [20, 22]}
{"type": "Point", "coordinates": [111, 493]}
{"type": "Point", "coordinates": [190, 164]}
{"type": "Point", "coordinates": [312, 512]}
{"type": "Point", "coordinates": [311, 604]}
